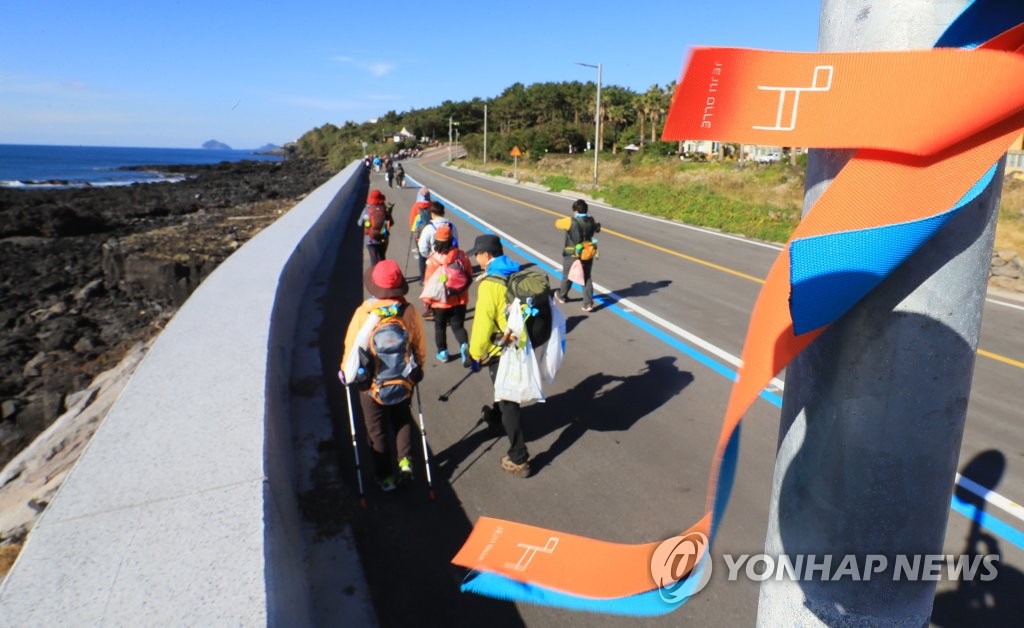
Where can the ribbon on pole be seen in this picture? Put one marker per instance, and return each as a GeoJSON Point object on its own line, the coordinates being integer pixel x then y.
{"type": "Point", "coordinates": [930, 127]}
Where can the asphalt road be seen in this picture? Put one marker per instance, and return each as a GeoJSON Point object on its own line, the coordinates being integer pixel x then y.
{"type": "Point", "coordinates": [622, 448]}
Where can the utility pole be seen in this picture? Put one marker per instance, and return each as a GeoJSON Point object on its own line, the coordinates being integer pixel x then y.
{"type": "Point", "coordinates": [597, 118]}
{"type": "Point", "coordinates": [874, 409]}
{"type": "Point", "coordinates": [449, 138]}
{"type": "Point", "coordinates": [485, 134]}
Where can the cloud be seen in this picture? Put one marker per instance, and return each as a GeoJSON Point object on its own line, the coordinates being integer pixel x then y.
{"type": "Point", "coordinates": [376, 68]}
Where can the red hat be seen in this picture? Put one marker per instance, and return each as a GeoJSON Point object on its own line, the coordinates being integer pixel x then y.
{"type": "Point", "coordinates": [385, 280]}
{"type": "Point", "coordinates": [443, 233]}
{"type": "Point", "coordinates": [376, 197]}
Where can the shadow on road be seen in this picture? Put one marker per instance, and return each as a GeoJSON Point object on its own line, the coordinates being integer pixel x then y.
{"type": "Point", "coordinates": [975, 602]}
{"type": "Point", "coordinates": [603, 403]}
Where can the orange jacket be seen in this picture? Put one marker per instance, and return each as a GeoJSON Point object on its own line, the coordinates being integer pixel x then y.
{"type": "Point", "coordinates": [411, 318]}
{"type": "Point", "coordinates": [434, 262]}
{"type": "Point", "coordinates": [415, 211]}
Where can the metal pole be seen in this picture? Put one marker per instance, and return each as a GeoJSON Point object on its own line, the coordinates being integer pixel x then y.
{"type": "Point", "coordinates": [597, 117]}
{"type": "Point", "coordinates": [485, 134]}
{"type": "Point", "coordinates": [449, 138]}
{"type": "Point", "coordinates": [597, 125]}
{"type": "Point", "coordinates": [874, 409]}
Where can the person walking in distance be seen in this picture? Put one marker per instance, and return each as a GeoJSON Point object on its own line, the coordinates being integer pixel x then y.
{"type": "Point", "coordinates": [489, 323]}
{"type": "Point", "coordinates": [457, 275]}
{"type": "Point", "coordinates": [376, 222]}
{"type": "Point", "coordinates": [580, 244]}
{"type": "Point", "coordinates": [387, 333]}
{"type": "Point", "coordinates": [419, 217]}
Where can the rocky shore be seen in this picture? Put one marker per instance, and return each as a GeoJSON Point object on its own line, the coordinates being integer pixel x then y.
{"type": "Point", "coordinates": [86, 274]}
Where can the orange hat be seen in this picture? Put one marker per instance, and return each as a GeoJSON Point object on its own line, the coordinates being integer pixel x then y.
{"type": "Point", "coordinates": [444, 233]}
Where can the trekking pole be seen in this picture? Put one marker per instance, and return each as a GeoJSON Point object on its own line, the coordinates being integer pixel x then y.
{"type": "Point", "coordinates": [448, 393]}
{"type": "Point", "coordinates": [487, 358]}
{"type": "Point", "coordinates": [408, 252]}
{"type": "Point", "coordinates": [426, 453]}
{"type": "Point", "coordinates": [355, 447]}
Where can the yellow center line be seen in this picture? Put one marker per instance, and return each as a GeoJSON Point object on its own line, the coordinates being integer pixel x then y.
{"type": "Point", "coordinates": [695, 260]}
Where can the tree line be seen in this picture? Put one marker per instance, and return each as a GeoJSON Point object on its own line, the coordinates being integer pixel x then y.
{"type": "Point", "coordinates": [538, 118]}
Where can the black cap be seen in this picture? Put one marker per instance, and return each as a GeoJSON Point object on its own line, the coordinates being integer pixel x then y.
{"type": "Point", "coordinates": [487, 243]}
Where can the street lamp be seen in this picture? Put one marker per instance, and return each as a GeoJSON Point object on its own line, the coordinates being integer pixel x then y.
{"type": "Point", "coordinates": [597, 118]}
{"type": "Point", "coordinates": [450, 124]}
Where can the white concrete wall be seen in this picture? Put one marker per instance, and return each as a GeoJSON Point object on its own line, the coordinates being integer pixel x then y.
{"type": "Point", "coordinates": [182, 509]}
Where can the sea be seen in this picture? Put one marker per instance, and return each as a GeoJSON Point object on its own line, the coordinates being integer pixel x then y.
{"type": "Point", "coordinates": [31, 166]}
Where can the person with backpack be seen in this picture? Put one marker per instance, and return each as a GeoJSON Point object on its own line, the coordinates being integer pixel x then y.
{"type": "Point", "coordinates": [425, 242]}
{"type": "Point", "coordinates": [487, 339]}
{"type": "Point", "coordinates": [400, 175]}
{"type": "Point", "coordinates": [376, 222]}
{"type": "Point", "coordinates": [389, 172]}
{"type": "Point", "coordinates": [456, 275]}
{"type": "Point", "coordinates": [419, 217]}
{"type": "Point", "coordinates": [580, 244]}
{"type": "Point", "coordinates": [384, 355]}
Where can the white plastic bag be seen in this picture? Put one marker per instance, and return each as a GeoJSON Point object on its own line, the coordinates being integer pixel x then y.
{"type": "Point", "coordinates": [351, 367]}
{"type": "Point", "coordinates": [434, 288]}
{"type": "Point", "coordinates": [518, 376]}
{"type": "Point", "coordinates": [576, 273]}
{"type": "Point", "coordinates": [552, 352]}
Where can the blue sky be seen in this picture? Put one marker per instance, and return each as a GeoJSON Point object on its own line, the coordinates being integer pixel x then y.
{"type": "Point", "coordinates": [177, 73]}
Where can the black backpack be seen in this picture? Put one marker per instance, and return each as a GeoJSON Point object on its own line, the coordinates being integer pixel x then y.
{"type": "Point", "coordinates": [534, 292]}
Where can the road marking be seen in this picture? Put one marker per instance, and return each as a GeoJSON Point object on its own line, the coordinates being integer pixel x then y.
{"type": "Point", "coordinates": [627, 308]}
{"type": "Point", "coordinates": [982, 352]}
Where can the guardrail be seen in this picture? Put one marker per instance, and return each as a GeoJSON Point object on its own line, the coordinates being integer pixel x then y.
{"type": "Point", "coordinates": [182, 509]}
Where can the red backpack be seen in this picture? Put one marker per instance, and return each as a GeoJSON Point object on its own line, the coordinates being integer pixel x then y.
{"type": "Point", "coordinates": [376, 225]}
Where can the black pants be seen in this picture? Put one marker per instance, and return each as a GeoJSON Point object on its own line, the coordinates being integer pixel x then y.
{"type": "Point", "coordinates": [456, 316]}
{"type": "Point", "coordinates": [377, 252]}
{"type": "Point", "coordinates": [588, 285]}
{"type": "Point", "coordinates": [379, 421]}
{"type": "Point", "coordinates": [509, 410]}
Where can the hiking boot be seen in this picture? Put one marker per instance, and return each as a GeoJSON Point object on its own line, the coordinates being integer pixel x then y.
{"type": "Point", "coordinates": [405, 471]}
{"type": "Point", "coordinates": [464, 352]}
{"type": "Point", "coordinates": [518, 470]}
{"type": "Point", "coordinates": [588, 308]}
{"type": "Point", "coordinates": [442, 355]}
{"type": "Point", "coordinates": [559, 298]}
{"type": "Point", "coordinates": [388, 484]}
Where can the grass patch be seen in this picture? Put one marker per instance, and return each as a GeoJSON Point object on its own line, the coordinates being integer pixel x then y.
{"type": "Point", "coordinates": [1010, 228]}
{"type": "Point", "coordinates": [697, 205]}
{"type": "Point", "coordinates": [557, 183]}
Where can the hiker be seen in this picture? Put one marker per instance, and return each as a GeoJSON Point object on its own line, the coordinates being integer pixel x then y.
{"type": "Point", "coordinates": [376, 222]}
{"type": "Point", "coordinates": [489, 323]}
{"type": "Point", "coordinates": [457, 276]}
{"type": "Point", "coordinates": [400, 176]}
{"type": "Point", "coordinates": [419, 217]}
{"type": "Point", "coordinates": [392, 351]}
{"type": "Point", "coordinates": [389, 172]}
{"type": "Point", "coordinates": [581, 245]}
{"type": "Point", "coordinates": [425, 241]}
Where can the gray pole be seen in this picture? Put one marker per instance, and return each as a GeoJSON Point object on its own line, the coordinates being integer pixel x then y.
{"type": "Point", "coordinates": [874, 409]}
{"type": "Point", "coordinates": [449, 138]}
{"type": "Point", "coordinates": [485, 134]}
{"type": "Point", "coordinates": [597, 118]}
